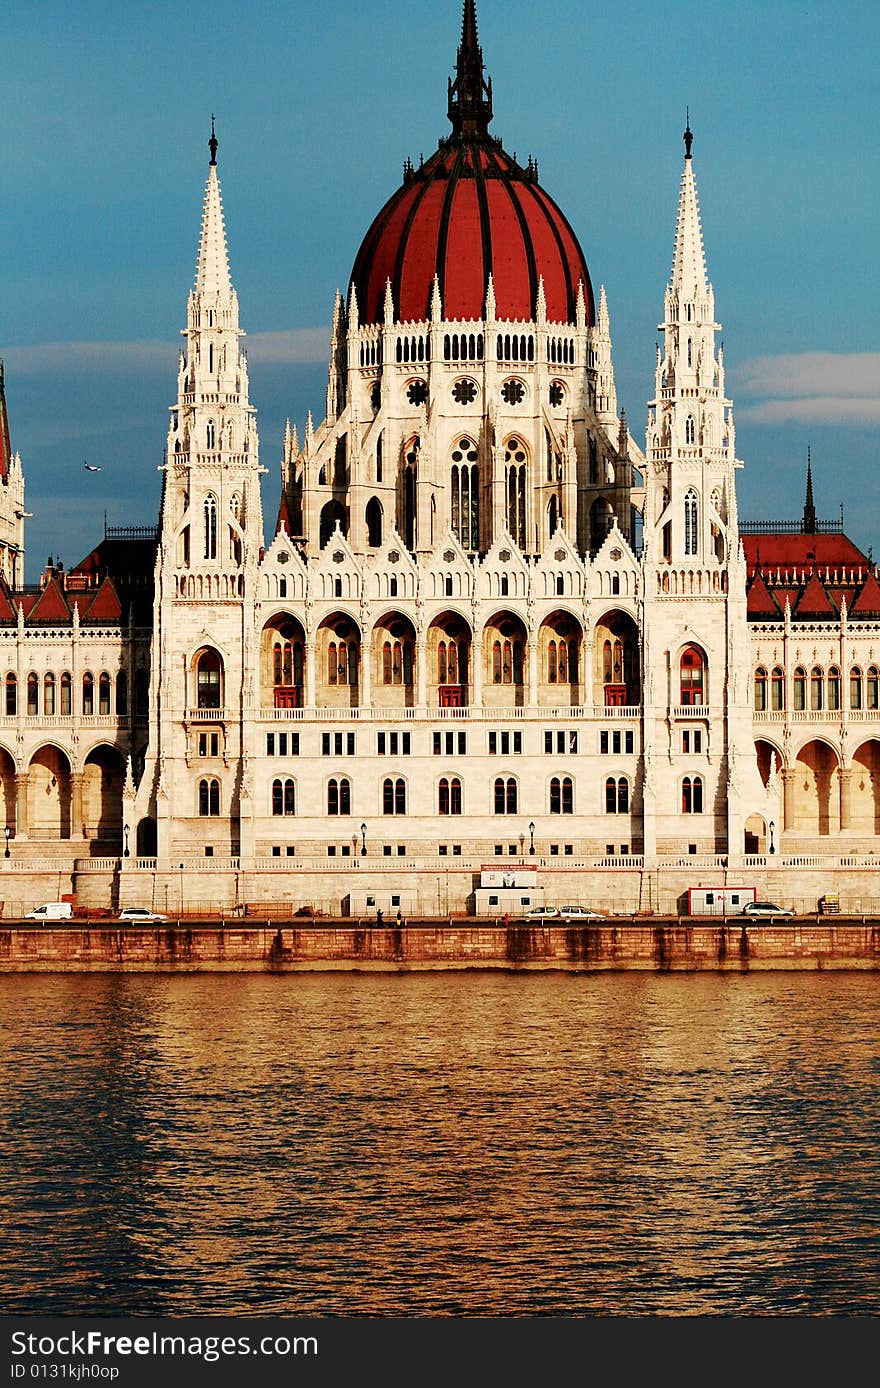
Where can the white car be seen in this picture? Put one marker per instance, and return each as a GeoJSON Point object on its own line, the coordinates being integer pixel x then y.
{"type": "Point", "coordinates": [137, 915]}
{"type": "Point", "coordinates": [579, 913]}
{"type": "Point", "coordinates": [541, 913]}
{"type": "Point", "coordinates": [764, 908]}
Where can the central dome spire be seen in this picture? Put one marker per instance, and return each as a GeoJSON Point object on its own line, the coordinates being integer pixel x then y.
{"type": "Point", "coordinates": [470, 94]}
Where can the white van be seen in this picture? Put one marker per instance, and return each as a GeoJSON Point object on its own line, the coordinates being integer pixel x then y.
{"type": "Point", "coordinates": [51, 911]}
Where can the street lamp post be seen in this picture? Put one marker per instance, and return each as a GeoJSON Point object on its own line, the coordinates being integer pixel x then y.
{"type": "Point", "coordinates": [772, 845]}
{"type": "Point", "coordinates": [532, 836]}
{"type": "Point", "coordinates": [125, 852]}
{"type": "Point", "coordinates": [7, 831]}
{"type": "Point", "coordinates": [363, 840]}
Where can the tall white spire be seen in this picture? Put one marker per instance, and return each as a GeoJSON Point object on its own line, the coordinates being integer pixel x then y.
{"type": "Point", "coordinates": [212, 269]}
{"type": "Point", "coordinates": [689, 278]}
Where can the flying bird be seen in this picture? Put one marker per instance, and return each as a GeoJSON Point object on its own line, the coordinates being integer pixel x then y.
{"type": "Point", "coordinates": [91, 467]}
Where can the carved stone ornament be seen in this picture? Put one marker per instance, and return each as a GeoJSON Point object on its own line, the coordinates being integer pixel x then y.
{"type": "Point", "coordinates": [393, 556]}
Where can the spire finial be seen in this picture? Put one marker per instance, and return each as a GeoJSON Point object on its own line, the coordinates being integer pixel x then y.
{"type": "Point", "coordinates": [470, 94]}
{"type": "Point", "coordinates": [809, 526]}
{"type": "Point", "coordinates": [213, 142]}
{"type": "Point", "coordinates": [688, 134]}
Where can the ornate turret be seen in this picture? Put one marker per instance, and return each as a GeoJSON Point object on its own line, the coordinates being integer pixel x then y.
{"type": "Point", "coordinates": [470, 94]}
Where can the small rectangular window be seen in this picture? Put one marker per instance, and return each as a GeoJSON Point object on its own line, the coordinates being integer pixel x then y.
{"type": "Point", "coordinates": [349, 744]}
{"type": "Point", "coordinates": [450, 743]}
{"type": "Point", "coordinates": [554, 850]}
{"type": "Point", "coordinates": [505, 744]}
{"type": "Point", "coordinates": [493, 743]}
{"type": "Point", "coordinates": [435, 739]}
{"type": "Point", "coordinates": [517, 743]}
{"type": "Point", "coordinates": [511, 850]}
{"type": "Point", "coordinates": [276, 850]}
{"type": "Point", "coordinates": [331, 850]}
{"type": "Point", "coordinates": [569, 850]}
{"type": "Point", "coordinates": [209, 850]}
{"type": "Point", "coordinates": [290, 850]}
{"type": "Point", "coordinates": [686, 742]}
{"type": "Point", "coordinates": [573, 741]}
{"type": "Point", "coordinates": [386, 850]}
{"type": "Point", "coordinates": [337, 744]}
{"type": "Point", "coordinates": [560, 743]}
{"type": "Point", "coordinates": [609, 850]}
{"type": "Point", "coordinates": [462, 743]}
{"type": "Point", "coordinates": [499, 849]}
{"type": "Point", "coordinates": [603, 740]}
{"type": "Point", "coordinates": [392, 743]}
{"type": "Point", "coordinates": [406, 743]}
{"type": "Point", "coordinates": [615, 742]}
{"type": "Point", "coordinates": [624, 850]}
{"type": "Point", "coordinates": [401, 850]}
{"type": "Point", "coordinates": [282, 744]}
{"type": "Point", "coordinates": [380, 744]}
{"type": "Point", "coordinates": [203, 744]}
{"type": "Point", "coordinates": [548, 743]}
{"type": "Point", "coordinates": [629, 742]}
{"type": "Point", "coordinates": [325, 744]}
{"type": "Point", "coordinates": [698, 740]}
{"type": "Point", "coordinates": [456, 850]}
{"type": "Point", "coordinates": [442, 849]}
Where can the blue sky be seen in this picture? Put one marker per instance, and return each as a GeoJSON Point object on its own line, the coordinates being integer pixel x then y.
{"type": "Point", "coordinates": [105, 112]}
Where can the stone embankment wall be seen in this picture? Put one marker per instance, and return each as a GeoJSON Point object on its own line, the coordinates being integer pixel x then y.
{"type": "Point", "coordinates": [286, 946]}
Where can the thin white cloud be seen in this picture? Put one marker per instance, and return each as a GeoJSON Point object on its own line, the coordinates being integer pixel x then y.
{"type": "Point", "coordinates": [298, 345]}
{"type": "Point", "coordinates": [816, 387]}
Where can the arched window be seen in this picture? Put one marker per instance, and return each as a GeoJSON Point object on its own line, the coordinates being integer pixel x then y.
{"type": "Point", "coordinates": [104, 692]}
{"type": "Point", "coordinates": [855, 687]}
{"type": "Point", "coordinates": [690, 430]}
{"type": "Point", "coordinates": [122, 694]}
{"type": "Point", "coordinates": [450, 661]}
{"type": "Point", "coordinates": [690, 521]}
{"type": "Point", "coordinates": [33, 695]}
{"type": "Point", "coordinates": [834, 688]}
{"type": "Point", "coordinates": [561, 795]}
{"type": "Point", "coordinates": [283, 796]}
{"type": "Point", "coordinates": [449, 796]}
{"type": "Point", "coordinates": [49, 693]}
{"type": "Point", "coordinates": [515, 489]}
{"type": "Point", "coordinates": [616, 795]}
{"type": "Point", "coordinates": [873, 687]}
{"type": "Point", "coordinates": [465, 494]}
{"type": "Point", "coordinates": [505, 795]}
{"type": "Point", "coordinates": [209, 796]}
{"type": "Point", "coordinates": [66, 700]}
{"type": "Point", "coordinates": [339, 796]}
{"type": "Point", "coordinates": [211, 434]}
{"type": "Point", "coordinates": [507, 662]}
{"type": "Point", "coordinates": [210, 516]}
{"type": "Point", "coordinates": [816, 683]}
{"type": "Point", "coordinates": [552, 668]}
{"type": "Point", "coordinates": [374, 521]}
{"type": "Point", "coordinates": [692, 795]}
{"type": "Point", "coordinates": [88, 694]}
{"type": "Point", "coordinates": [208, 670]}
{"type": "Point", "coordinates": [12, 695]}
{"type": "Point", "coordinates": [393, 795]}
{"type": "Point", "coordinates": [800, 688]}
{"type": "Point", "coordinates": [692, 682]}
{"type": "Point", "coordinates": [760, 690]}
{"type": "Point", "coordinates": [777, 690]}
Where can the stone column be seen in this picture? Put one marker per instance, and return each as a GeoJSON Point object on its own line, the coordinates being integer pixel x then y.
{"type": "Point", "coordinates": [788, 785]}
{"type": "Point", "coordinates": [421, 673]}
{"type": "Point", "coordinates": [532, 656]}
{"type": "Point", "coordinates": [846, 779]}
{"type": "Point", "coordinates": [76, 804]}
{"type": "Point", "coordinates": [366, 673]}
{"type": "Point", "coordinates": [310, 672]}
{"type": "Point", "coordinates": [476, 698]}
{"type": "Point", "coordinates": [21, 804]}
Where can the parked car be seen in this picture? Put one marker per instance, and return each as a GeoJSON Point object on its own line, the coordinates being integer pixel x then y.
{"type": "Point", "coordinates": [579, 913]}
{"type": "Point", "coordinates": [541, 913]}
{"type": "Point", "coordinates": [138, 915]}
{"type": "Point", "coordinates": [764, 908]}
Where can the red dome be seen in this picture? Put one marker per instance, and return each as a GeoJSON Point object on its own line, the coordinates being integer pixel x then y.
{"type": "Point", "coordinates": [470, 211]}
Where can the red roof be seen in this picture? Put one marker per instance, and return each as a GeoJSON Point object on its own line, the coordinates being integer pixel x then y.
{"type": "Point", "coordinates": [814, 600]}
{"type": "Point", "coordinates": [760, 603]}
{"type": "Point", "coordinates": [51, 605]}
{"type": "Point", "coordinates": [771, 550]}
{"type": "Point", "coordinates": [867, 604]}
{"type": "Point", "coordinates": [105, 605]}
{"type": "Point", "coordinates": [471, 210]}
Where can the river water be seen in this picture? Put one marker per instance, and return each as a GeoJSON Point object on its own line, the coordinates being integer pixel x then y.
{"type": "Point", "coordinates": [440, 1144]}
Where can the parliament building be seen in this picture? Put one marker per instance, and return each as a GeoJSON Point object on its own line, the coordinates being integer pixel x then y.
{"type": "Point", "coordinates": [492, 631]}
